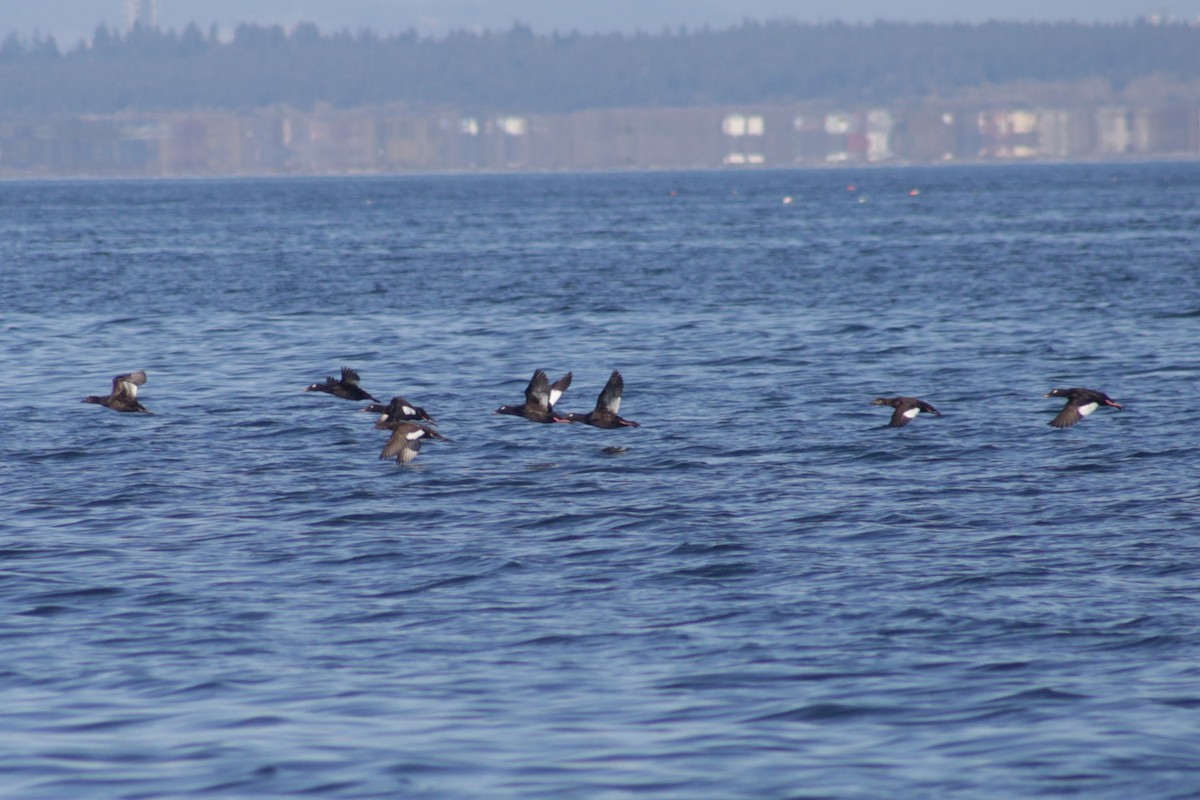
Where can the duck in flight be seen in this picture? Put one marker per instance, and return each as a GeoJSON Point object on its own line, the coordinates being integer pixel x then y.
{"type": "Point", "coordinates": [604, 415]}
{"type": "Point", "coordinates": [907, 409]}
{"type": "Point", "coordinates": [540, 397]}
{"type": "Point", "coordinates": [124, 393]}
{"type": "Point", "coordinates": [345, 387]}
{"type": "Point", "coordinates": [1080, 403]}
{"type": "Point", "coordinates": [398, 410]}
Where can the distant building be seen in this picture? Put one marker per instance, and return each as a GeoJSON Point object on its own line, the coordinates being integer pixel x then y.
{"type": "Point", "coordinates": [141, 12]}
{"type": "Point", "coordinates": [388, 139]}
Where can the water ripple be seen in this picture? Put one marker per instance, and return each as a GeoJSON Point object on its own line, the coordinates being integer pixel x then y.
{"type": "Point", "coordinates": [762, 588]}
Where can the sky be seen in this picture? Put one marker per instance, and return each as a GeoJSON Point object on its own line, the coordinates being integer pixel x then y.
{"type": "Point", "coordinates": [69, 21]}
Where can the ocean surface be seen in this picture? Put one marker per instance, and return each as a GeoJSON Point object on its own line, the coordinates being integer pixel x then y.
{"type": "Point", "coordinates": [763, 592]}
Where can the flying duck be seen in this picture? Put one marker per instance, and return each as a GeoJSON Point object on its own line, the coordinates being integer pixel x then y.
{"type": "Point", "coordinates": [398, 410]}
{"type": "Point", "coordinates": [540, 397]}
{"type": "Point", "coordinates": [405, 441]}
{"type": "Point", "coordinates": [604, 415]}
{"type": "Point", "coordinates": [907, 409]}
{"type": "Point", "coordinates": [124, 393]}
{"type": "Point", "coordinates": [346, 387]}
{"type": "Point", "coordinates": [1080, 403]}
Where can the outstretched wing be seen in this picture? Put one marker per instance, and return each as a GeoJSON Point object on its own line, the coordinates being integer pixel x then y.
{"type": "Point", "coordinates": [349, 376]}
{"type": "Point", "coordinates": [928, 409]}
{"type": "Point", "coordinates": [610, 395]}
{"type": "Point", "coordinates": [404, 443]}
{"type": "Point", "coordinates": [1072, 413]}
{"type": "Point", "coordinates": [537, 393]}
{"type": "Point", "coordinates": [558, 387]}
{"type": "Point", "coordinates": [128, 384]}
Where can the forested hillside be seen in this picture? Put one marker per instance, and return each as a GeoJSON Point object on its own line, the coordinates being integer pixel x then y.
{"type": "Point", "coordinates": [149, 70]}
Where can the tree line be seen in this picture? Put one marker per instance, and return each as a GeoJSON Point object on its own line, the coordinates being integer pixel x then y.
{"type": "Point", "coordinates": [516, 70]}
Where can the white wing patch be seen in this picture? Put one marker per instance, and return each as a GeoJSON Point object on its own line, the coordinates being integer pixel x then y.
{"type": "Point", "coordinates": [414, 435]}
{"type": "Point", "coordinates": [615, 405]}
{"type": "Point", "coordinates": [554, 395]}
{"type": "Point", "coordinates": [912, 413]}
{"type": "Point", "coordinates": [1087, 408]}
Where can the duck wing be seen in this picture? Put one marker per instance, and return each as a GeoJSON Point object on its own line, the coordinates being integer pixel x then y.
{"type": "Point", "coordinates": [558, 387]}
{"type": "Point", "coordinates": [1071, 414]}
{"type": "Point", "coordinates": [928, 409]}
{"type": "Point", "coordinates": [610, 396]}
{"type": "Point", "coordinates": [405, 441]}
{"type": "Point", "coordinates": [1081, 403]}
{"type": "Point", "coordinates": [537, 393]}
{"type": "Point", "coordinates": [127, 385]}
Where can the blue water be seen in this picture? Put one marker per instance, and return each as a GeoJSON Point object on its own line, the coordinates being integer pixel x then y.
{"type": "Point", "coordinates": [767, 594]}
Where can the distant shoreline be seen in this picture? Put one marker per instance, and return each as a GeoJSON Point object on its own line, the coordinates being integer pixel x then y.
{"type": "Point", "coordinates": [390, 140]}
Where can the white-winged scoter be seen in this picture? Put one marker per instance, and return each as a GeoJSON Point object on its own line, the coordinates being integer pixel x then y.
{"type": "Point", "coordinates": [124, 393]}
{"type": "Point", "coordinates": [907, 409]}
{"type": "Point", "coordinates": [604, 415]}
{"type": "Point", "coordinates": [397, 410]}
{"type": "Point", "coordinates": [346, 387]}
{"type": "Point", "coordinates": [540, 397]}
{"type": "Point", "coordinates": [1080, 403]}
